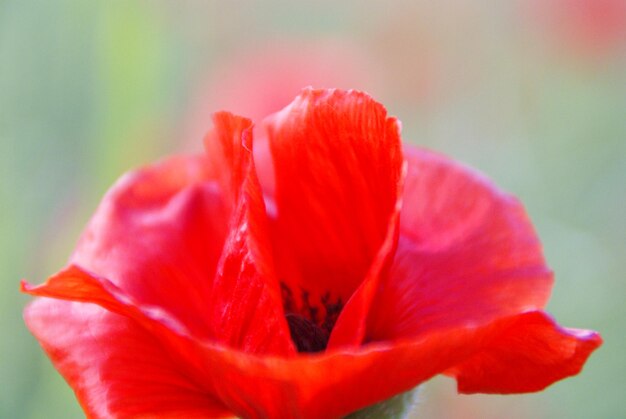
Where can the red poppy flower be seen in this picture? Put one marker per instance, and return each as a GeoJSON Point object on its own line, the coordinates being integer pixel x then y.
{"type": "Point", "coordinates": [349, 270]}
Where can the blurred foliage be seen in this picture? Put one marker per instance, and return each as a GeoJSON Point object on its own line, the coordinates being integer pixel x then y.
{"type": "Point", "coordinates": [91, 89]}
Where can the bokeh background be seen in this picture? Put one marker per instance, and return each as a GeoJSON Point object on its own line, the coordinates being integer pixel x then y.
{"type": "Point", "coordinates": [531, 92]}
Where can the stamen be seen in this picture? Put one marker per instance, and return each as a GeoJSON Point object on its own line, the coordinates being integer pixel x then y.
{"type": "Point", "coordinates": [310, 319]}
{"type": "Point", "coordinates": [307, 336]}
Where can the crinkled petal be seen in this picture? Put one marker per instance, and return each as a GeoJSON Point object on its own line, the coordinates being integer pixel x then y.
{"type": "Point", "coordinates": [467, 254]}
{"type": "Point", "coordinates": [158, 234]}
{"type": "Point", "coordinates": [308, 386]}
{"type": "Point", "coordinates": [532, 353]}
{"type": "Point", "coordinates": [337, 164]}
{"type": "Point", "coordinates": [244, 305]}
{"type": "Point", "coordinates": [188, 237]}
{"type": "Point", "coordinates": [228, 146]}
{"type": "Point", "coordinates": [115, 367]}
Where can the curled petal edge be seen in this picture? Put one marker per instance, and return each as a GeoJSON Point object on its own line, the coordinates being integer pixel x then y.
{"type": "Point", "coordinates": [308, 383]}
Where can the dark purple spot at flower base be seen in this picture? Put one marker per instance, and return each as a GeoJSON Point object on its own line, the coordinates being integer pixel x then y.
{"type": "Point", "coordinates": [306, 335]}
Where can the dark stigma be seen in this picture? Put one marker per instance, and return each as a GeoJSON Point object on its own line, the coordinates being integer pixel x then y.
{"type": "Point", "coordinates": [307, 336]}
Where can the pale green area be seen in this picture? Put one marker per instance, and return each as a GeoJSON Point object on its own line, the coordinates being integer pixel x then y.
{"type": "Point", "coordinates": [398, 407]}
{"type": "Point", "coordinates": [91, 89]}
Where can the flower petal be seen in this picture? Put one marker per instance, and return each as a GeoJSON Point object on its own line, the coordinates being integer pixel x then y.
{"type": "Point", "coordinates": [228, 147]}
{"type": "Point", "coordinates": [530, 355]}
{"type": "Point", "coordinates": [351, 326]}
{"type": "Point", "coordinates": [158, 234]}
{"type": "Point", "coordinates": [337, 163]}
{"type": "Point", "coordinates": [244, 303]}
{"type": "Point", "coordinates": [307, 385]}
{"type": "Point", "coordinates": [115, 367]}
{"type": "Point", "coordinates": [467, 254]}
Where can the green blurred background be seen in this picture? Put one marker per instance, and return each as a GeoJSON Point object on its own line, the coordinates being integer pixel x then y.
{"type": "Point", "coordinates": [533, 93]}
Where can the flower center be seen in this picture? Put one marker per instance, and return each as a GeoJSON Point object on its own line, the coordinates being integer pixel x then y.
{"type": "Point", "coordinates": [307, 336]}
{"type": "Point", "coordinates": [310, 319]}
